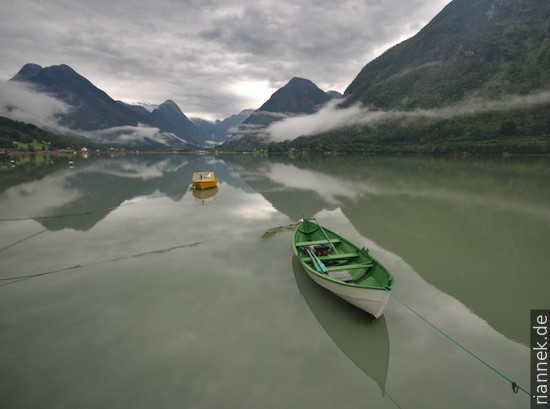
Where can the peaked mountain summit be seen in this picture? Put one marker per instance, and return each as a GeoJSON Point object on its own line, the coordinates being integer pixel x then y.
{"type": "Point", "coordinates": [100, 117]}
{"type": "Point", "coordinates": [92, 108]}
{"type": "Point", "coordinates": [169, 118]}
{"type": "Point", "coordinates": [299, 96]}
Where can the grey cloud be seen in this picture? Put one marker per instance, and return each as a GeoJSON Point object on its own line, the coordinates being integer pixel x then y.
{"type": "Point", "coordinates": [197, 52]}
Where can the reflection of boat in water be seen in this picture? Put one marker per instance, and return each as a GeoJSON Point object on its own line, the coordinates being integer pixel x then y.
{"type": "Point", "coordinates": [204, 180]}
{"type": "Point", "coordinates": [364, 340]}
{"type": "Point", "coordinates": [205, 196]}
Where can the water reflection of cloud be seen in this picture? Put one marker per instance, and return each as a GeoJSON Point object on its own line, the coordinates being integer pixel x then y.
{"type": "Point", "coordinates": [136, 168]}
{"type": "Point", "coordinates": [55, 192]}
{"type": "Point", "coordinates": [421, 357]}
{"type": "Point", "coordinates": [464, 199]}
{"type": "Point", "coordinates": [37, 198]}
{"type": "Point", "coordinates": [251, 206]}
{"type": "Point", "coordinates": [507, 203]}
{"type": "Point", "coordinates": [333, 187]}
{"type": "Point", "coordinates": [327, 186]}
{"type": "Point", "coordinates": [214, 161]}
{"type": "Point", "coordinates": [214, 284]}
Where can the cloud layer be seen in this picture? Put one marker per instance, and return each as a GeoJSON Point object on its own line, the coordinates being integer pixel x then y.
{"type": "Point", "coordinates": [212, 57]}
{"type": "Point", "coordinates": [21, 102]}
{"type": "Point", "coordinates": [330, 117]}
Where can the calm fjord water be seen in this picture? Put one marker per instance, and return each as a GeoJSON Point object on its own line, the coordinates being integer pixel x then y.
{"type": "Point", "coordinates": [123, 289]}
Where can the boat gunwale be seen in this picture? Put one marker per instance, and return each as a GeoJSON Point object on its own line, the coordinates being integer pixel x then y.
{"type": "Point", "coordinates": [381, 287]}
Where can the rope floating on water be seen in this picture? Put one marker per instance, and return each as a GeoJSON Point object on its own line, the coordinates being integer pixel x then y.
{"type": "Point", "coordinates": [15, 279]}
{"type": "Point", "coordinates": [515, 386]}
{"type": "Point", "coordinates": [22, 240]}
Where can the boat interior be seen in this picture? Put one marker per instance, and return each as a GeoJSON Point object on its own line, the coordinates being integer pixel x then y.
{"type": "Point", "coordinates": [328, 254]}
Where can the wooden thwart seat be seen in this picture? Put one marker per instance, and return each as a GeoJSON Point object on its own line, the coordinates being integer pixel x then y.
{"type": "Point", "coordinates": [316, 242]}
{"type": "Point", "coordinates": [349, 266]}
{"type": "Point", "coordinates": [340, 267]}
{"type": "Point", "coordinates": [339, 256]}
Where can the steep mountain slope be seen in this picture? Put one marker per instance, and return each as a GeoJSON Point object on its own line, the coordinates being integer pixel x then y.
{"type": "Point", "coordinates": [478, 48]}
{"type": "Point", "coordinates": [169, 118]}
{"type": "Point", "coordinates": [94, 111]}
{"type": "Point", "coordinates": [474, 80]}
{"type": "Point", "coordinates": [91, 107]}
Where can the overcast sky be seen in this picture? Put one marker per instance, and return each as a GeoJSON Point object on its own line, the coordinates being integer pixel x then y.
{"type": "Point", "coordinates": [212, 57]}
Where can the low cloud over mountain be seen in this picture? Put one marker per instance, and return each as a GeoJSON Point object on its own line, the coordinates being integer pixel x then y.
{"type": "Point", "coordinates": [22, 102]}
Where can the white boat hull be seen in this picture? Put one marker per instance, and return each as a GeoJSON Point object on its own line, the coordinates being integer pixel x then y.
{"type": "Point", "coordinates": [370, 300]}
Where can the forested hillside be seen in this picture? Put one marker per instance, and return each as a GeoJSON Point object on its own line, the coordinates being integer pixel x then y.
{"type": "Point", "coordinates": [475, 79]}
{"type": "Point", "coordinates": [27, 134]}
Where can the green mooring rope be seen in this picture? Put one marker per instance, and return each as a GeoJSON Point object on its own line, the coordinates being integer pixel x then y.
{"type": "Point", "coordinates": [515, 386]}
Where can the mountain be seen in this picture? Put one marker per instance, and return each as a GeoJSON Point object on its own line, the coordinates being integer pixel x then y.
{"type": "Point", "coordinates": [298, 97]}
{"type": "Point", "coordinates": [474, 80]}
{"type": "Point", "coordinates": [219, 131]}
{"type": "Point", "coordinates": [91, 107]}
{"type": "Point", "coordinates": [485, 48]}
{"type": "Point", "coordinates": [96, 114]}
{"type": "Point", "coordinates": [208, 127]}
{"type": "Point", "coordinates": [28, 72]}
{"type": "Point", "coordinates": [334, 94]}
{"type": "Point", "coordinates": [169, 118]}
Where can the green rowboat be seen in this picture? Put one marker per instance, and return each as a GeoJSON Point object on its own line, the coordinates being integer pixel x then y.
{"type": "Point", "coordinates": [341, 267]}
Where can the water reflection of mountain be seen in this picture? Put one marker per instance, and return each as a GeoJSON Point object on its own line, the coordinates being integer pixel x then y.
{"type": "Point", "coordinates": [476, 228]}
{"type": "Point", "coordinates": [363, 340]}
{"type": "Point", "coordinates": [27, 170]}
{"type": "Point", "coordinates": [88, 193]}
{"type": "Point", "coordinates": [107, 183]}
{"type": "Point", "coordinates": [258, 172]}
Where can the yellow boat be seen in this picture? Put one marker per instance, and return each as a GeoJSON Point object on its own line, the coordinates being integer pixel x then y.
{"type": "Point", "coordinates": [204, 180]}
